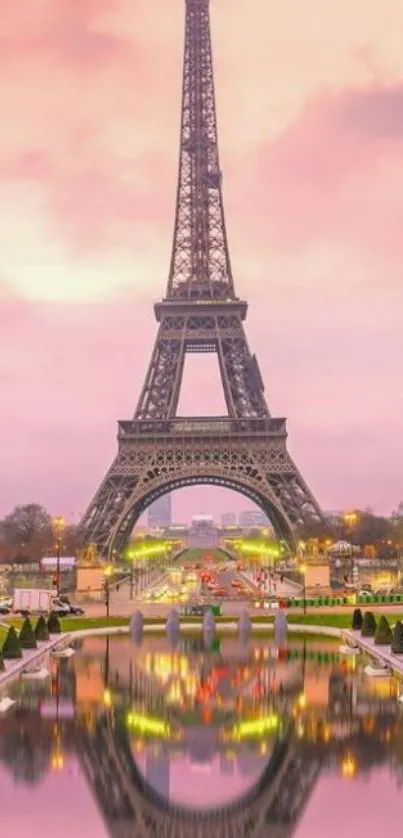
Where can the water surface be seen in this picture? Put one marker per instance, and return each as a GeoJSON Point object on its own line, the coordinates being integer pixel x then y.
{"type": "Point", "coordinates": [299, 741]}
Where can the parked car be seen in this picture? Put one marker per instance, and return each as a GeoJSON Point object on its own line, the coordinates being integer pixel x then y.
{"type": "Point", "coordinates": [68, 607]}
{"type": "Point", "coordinates": [6, 605]}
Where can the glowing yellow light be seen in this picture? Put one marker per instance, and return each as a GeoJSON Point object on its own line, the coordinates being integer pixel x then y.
{"type": "Point", "coordinates": [302, 701]}
{"type": "Point", "coordinates": [348, 766]}
{"type": "Point", "coordinates": [107, 698]}
{"type": "Point", "coordinates": [148, 724]}
{"type": "Point", "coordinates": [108, 571]}
{"type": "Point", "coordinates": [351, 518]}
{"type": "Point", "coordinates": [57, 761]}
{"type": "Point", "coordinates": [257, 727]}
{"type": "Point", "coordinates": [326, 734]}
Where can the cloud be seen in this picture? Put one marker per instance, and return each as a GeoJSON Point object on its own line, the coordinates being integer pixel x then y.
{"type": "Point", "coordinates": [310, 119]}
{"type": "Point", "coordinates": [333, 180]}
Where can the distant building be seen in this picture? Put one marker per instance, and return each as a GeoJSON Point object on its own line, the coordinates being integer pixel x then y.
{"type": "Point", "coordinates": [228, 519]}
{"type": "Point", "coordinates": [159, 514]}
{"type": "Point", "coordinates": [253, 518]}
{"type": "Point", "coordinates": [203, 532]}
{"type": "Point", "coordinates": [65, 563]}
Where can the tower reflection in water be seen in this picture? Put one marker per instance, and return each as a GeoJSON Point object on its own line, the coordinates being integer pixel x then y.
{"type": "Point", "coordinates": [229, 739]}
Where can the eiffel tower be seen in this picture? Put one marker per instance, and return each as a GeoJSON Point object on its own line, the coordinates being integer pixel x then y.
{"type": "Point", "coordinates": [157, 450]}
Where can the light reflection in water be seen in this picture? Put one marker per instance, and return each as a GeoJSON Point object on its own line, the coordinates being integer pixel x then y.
{"type": "Point", "coordinates": [199, 728]}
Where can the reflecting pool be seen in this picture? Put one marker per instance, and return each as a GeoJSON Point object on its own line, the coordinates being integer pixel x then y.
{"type": "Point", "coordinates": [234, 740]}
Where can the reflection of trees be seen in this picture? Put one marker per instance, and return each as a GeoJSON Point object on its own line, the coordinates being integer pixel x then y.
{"type": "Point", "coordinates": [24, 757]}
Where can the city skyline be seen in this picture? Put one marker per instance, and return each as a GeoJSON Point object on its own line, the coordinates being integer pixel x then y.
{"type": "Point", "coordinates": [310, 150]}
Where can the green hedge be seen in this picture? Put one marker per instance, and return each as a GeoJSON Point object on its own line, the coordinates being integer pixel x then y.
{"type": "Point", "coordinates": [54, 626]}
{"type": "Point", "coordinates": [397, 639]}
{"type": "Point", "coordinates": [11, 646]}
{"type": "Point", "coordinates": [368, 627]}
{"type": "Point", "coordinates": [383, 634]}
{"type": "Point", "coordinates": [41, 629]}
{"type": "Point", "coordinates": [27, 636]}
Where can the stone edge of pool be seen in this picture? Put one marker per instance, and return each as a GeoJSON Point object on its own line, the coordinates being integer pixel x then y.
{"type": "Point", "coordinates": [14, 668]}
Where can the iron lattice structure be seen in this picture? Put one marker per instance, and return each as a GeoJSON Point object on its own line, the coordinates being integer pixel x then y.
{"type": "Point", "coordinates": [157, 451]}
{"type": "Point", "coordinates": [130, 807]}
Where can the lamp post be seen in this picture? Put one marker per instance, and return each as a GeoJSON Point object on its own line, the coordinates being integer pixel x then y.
{"type": "Point", "coordinates": [351, 519]}
{"type": "Point", "coordinates": [302, 569]}
{"type": "Point", "coordinates": [58, 528]}
{"type": "Point", "coordinates": [107, 574]}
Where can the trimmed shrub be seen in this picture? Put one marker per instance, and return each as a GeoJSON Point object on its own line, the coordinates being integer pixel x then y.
{"type": "Point", "coordinates": [11, 646]}
{"type": "Point", "coordinates": [356, 622]}
{"type": "Point", "coordinates": [27, 636]}
{"type": "Point", "coordinates": [397, 639]}
{"type": "Point", "coordinates": [54, 626]}
{"type": "Point", "coordinates": [41, 629]}
{"type": "Point", "coordinates": [383, 634]}
{"type": "Point", "coordinates": [368, 627]}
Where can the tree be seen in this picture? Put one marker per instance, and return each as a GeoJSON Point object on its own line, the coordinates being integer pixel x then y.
{"type": "Point", "coordinates": [397, 639]}
{"type": "Point", "coordinates": [41, 629]}
{"type": "Point", "coordinates": [2, 667]}
{"type": "Point", "coordinates": [71, 540]}
{"type": "Point", "coordinates": [54, 626]}
{"type": "Point", "coordinates": [369, 529]}
{"type": "Point", "coordinates": [383, 634]}
{"type": "Point", "coordinates": [368, 627]}
{"type": "Point", "coordinates": [356, 622]}
{"type": "Point", "coordinates": [27, 636]}
{"type": "Point", "coordinates": [11, 646]}
{"type": "Point", "coordinates": [397, 521]}
{"type": "Point", "coordinates": [27, 525]}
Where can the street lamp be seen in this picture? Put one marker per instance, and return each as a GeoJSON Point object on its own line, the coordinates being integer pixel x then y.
{"type": "Point", "coordinates": [351, 518]}
{"type": "Point", "coordinates": [58, 529]}
{"type": "Point", "coordinates": [302, 568]}
{"type": "Point", "coordinates": [107, 574]}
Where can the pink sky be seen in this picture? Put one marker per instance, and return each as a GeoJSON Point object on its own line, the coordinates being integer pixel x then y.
{"type": "Point", "coordinates": [310, 99]}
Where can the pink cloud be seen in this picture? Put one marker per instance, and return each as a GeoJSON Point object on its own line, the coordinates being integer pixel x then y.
{"type": "Point", "coordinates": [335, 174]}
{"type": "Point", "coordinates": [89, 106]}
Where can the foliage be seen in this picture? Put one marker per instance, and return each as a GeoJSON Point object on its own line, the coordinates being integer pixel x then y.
{"type": "Point", "coordinates": [41, 629]}
{"type": "Point", "coordinates": [397, 639]}
{"type": "Point", "coordinates": [25, 523]}
{"type": "Point", "coordinates": [27, 636]}
{"type": "Point", "coordinates": [384, 533]}
{"type": "Point", "coordinates": [11, 646]}
{"type": "Point", "coordinates": [26, 531]}
{"type": "Point", "coordinates": [54, 626]}
{"type": "Point", "coordinates": [383, 634]}
{"type": "Point", "coordinates": [356, 622]}
{"type": "Point", "coordinates": [397, 521]}
{"type": "Point", "coordinates": [368, 627]}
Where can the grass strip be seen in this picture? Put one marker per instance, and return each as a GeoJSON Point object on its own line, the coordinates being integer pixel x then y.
{"type": "Point", "coordinates": [71, 624]}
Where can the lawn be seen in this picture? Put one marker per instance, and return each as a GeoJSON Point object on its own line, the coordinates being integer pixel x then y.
{"type": "Point", "coordinates": [71, 624]}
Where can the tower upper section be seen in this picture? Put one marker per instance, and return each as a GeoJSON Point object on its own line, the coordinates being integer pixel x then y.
{"type": "Point", "coordinates": [200, 266]}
